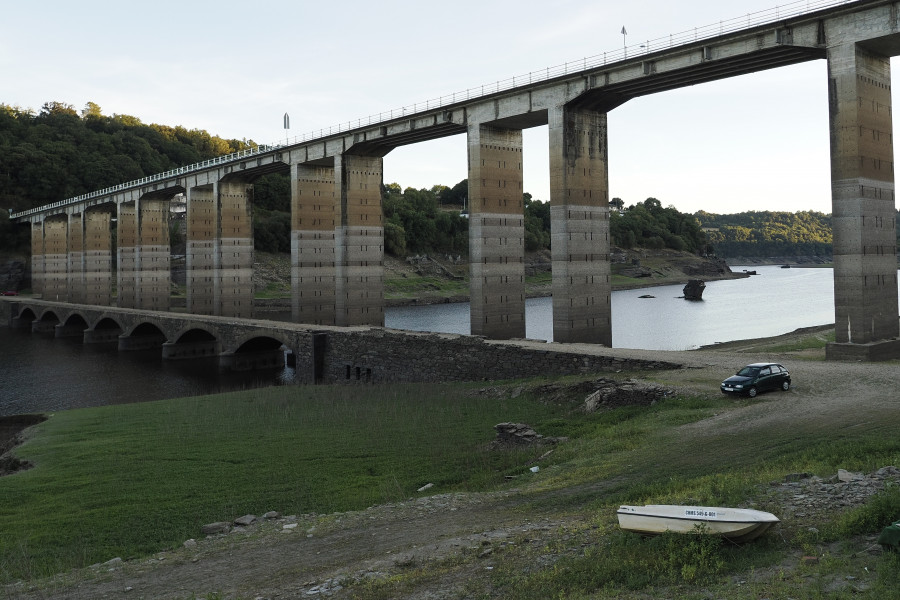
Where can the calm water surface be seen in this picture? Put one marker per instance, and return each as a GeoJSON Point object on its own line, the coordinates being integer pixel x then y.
{"type": "Point", "coordinates": [773, 302]}
{"type": "Point", "coordinates": [39, 373]}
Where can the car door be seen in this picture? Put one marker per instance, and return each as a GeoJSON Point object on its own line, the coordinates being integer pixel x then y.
{"type": "Point", "coordinates": [764, 381]}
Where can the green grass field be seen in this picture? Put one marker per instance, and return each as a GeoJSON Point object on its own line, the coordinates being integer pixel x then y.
{"type": "Point", "coordinates": [132, 480]}
{"type": "Point", "coordinates": [128, 480]}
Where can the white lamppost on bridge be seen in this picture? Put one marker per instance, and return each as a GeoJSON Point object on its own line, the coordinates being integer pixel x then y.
{"type": "Point", "coordinates": [287, 126]}
{"type": "Point", "coordinates": [624, 47]}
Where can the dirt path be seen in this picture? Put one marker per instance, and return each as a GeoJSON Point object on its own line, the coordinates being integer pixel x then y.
{"type": "Point", "coordinates": [315, 556]}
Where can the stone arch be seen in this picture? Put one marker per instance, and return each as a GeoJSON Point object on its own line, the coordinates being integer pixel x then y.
{"type": "Point", "coordinates": [144, 335]}
{"type": "Point", "coordinates": [191, 343]}
{"type": "Point", "coordinates": [257, 351]}
{"type": "Point", "coordinates": [105, 330]}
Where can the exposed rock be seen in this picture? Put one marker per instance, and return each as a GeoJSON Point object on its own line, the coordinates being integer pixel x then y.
{"type": "Point", "coordinates": [272, 514]}
{"type": "Point", "coordinates": [191, 543]}
{"type": "Point", "coordinates": [847, 476]}
{"type": "Point", "coordinates": [214, 528]}
{"type": "Point", "coordinates": [519, 434]}
{"type": "Point", "coordinates": [808, 498]}
{"type": "Point", "coordinates": [694, 289]}
{"type": "Point", "coordinates": [245, 520]}
{"type": "Point", "coordinates": [612, 394]}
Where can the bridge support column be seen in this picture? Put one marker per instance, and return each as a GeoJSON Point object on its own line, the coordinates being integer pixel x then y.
{"type": "Point", "coordinates": [97, 257]}
{"type": "Point", "coordinates": [579, 212]}
{"type": "Point", "coordinates": [863, 210]}
{"type": "Point", "coordinates": [496, 232]}
{"type": "Point", "coordinates": [126, 255]}
{"type": "Point", "coordinates": [75, 265]}
{"type": "Point", "coordinates": [37, 258]}
{"type": "Point", "coordinates": [202, 249]}
{"type": "Point", "coordinates": [235, 267]}
{"type": "Point", "coordinates": [312, 244]}
{"type": "Point", "coordinates": [359, 241]}
{"type": "Point", "coordinates": [153, 285]}
{"type": "Point", "coordinates": [56, 259]}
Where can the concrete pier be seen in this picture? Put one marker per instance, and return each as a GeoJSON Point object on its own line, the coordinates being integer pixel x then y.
{"type": "Point", "coordinates": [152, 256]}
{"type": "Point", "coordinates": [126, 248]}
{"type": "Point", "coordinates": [496, 232]}
{"type": "Point", "coordinates": [97, 257]}
{"type": "Point", "coordinates": [201, 249]}
{"type": "Point", "coordinates": [75, 266]}
{"type": "Point", "coordinates": [579, 212]}
{"type": "Point", "coordinates": [235, 264]}
{"type": "Point", "coordinates": [56, 259]}
{"type": "Point", "coordinates": [313, 227]}
{"type": "Point", "coordinates": [359, 241]}
{"type": "Point", "coordinates": [37, 258]}
{"type": "Point", "coordinates": [863, 202]}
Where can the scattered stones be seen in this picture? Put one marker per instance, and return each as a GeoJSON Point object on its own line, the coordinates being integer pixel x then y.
{"type": "Point", "coordinates": [191, 543]}
{"type": "Point", "coordinates": [425, 487]}
{"type": "Point", "coordinates": [519, 434]}
{"type": "Point", "coordinates": [245, 520]}
{"type": "Point", "coordinates": [272, 514]}
{"type": "Point", "coordinates": [804, 496]}
{"type": "Point", "coordinates": [113, 563]}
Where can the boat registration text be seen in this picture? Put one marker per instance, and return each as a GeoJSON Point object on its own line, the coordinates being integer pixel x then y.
{"type": "Point", "coordinates": [693, 512]}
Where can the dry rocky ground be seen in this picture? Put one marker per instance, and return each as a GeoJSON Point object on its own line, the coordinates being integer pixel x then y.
{"type": "Point", "coordinates": [459, 536]}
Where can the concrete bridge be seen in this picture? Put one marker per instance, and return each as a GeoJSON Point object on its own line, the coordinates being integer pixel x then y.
{"type": "Point", "coordinates": [337, 229]}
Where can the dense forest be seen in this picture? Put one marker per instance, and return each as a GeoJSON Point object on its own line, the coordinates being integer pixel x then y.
{"type": "Point", "coordinates": [59, 153]}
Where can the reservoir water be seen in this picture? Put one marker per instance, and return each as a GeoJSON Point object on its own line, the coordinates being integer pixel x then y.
{"type": "Point", "coordinates": [39, 373]}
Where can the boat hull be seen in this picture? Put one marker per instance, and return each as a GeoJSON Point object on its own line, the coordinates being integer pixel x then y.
{"type": "Point", "coordinates": [736, 524]}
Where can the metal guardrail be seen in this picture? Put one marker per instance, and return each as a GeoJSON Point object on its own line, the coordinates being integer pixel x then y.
{"type": "Point", "coordinates": [784, 11]}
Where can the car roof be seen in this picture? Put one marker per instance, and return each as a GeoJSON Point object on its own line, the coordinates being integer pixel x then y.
{"type": "Point", "coordinates": [763, 364]}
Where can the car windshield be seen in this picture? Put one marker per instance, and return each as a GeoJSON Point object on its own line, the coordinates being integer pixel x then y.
{"type": "Point", "coordinates": [749, 372]}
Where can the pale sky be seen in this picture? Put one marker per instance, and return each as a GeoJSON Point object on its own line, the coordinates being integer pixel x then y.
{"type": "Point", "coordinates": [757, 142]}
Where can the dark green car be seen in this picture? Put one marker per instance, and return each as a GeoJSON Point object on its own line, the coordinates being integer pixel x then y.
{"type": "Point", "coordinates": [758, 377]}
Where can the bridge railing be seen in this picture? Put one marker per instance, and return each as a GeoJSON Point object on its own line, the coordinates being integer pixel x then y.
{"type": "Point", "coordinates": [780, 12]}
{"type": "Point", "coordinates": [784, 11]}
{"type": "Point", "coordinates": [235, 156]}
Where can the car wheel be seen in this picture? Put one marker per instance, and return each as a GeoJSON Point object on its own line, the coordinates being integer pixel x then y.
{"type": "Point", "coordinates": [752, 392]}
{"type": "Point", "coordinates": [785, 385]}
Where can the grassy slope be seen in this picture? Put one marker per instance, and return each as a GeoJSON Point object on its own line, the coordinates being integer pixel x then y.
{"type": "Point", "coordinates": [128, 480]}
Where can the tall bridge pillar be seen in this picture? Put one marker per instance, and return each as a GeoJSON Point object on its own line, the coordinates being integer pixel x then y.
{"type": "Point", "coordinates": [235, 256]}
{"type": "Point", "coordinates": [313, 244]}
{"type": "Point", "coordinates": [152, 256]}
{"type": "Point", "coordinates": [126, 259]}
{"type": "Point", "coordinates": [496, 232]}
{"type": "Point", "coordinates": [863, 210]}
{"type": "Point", "coordinates": [97, 257]}
{"type": "Point", "coordinates": [56, 259]}
{"type": "Point", "coordinates": [579, 212]}
{"type": "Point", "coordinates": [37, 257]}
{"type": "Point", "coordinates": [75, 265]}
{"type": "Point", "coordinates": [359, 241]}
{"type": "Point", "coordinates": [202, 249]}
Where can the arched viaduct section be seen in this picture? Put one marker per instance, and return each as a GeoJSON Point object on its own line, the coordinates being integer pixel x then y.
{"type": "Point", "coordinates": [354, 355]}
{"type": "Point", "coordinates": [337, 231]}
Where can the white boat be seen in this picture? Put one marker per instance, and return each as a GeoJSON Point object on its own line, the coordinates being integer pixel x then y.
{"type": "Point", "coordinates": [736, 524]}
